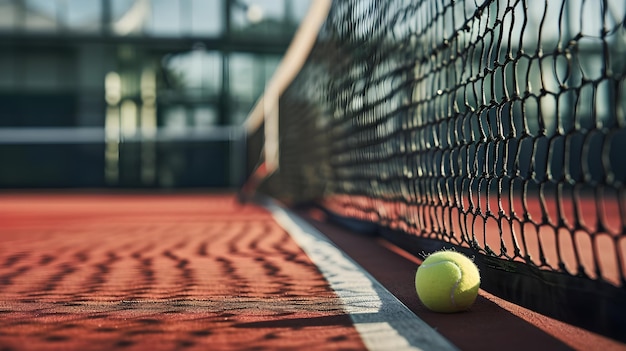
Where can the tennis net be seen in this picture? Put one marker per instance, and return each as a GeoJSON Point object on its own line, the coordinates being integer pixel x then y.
{"type": "Point", "coordinates": [496, 128]}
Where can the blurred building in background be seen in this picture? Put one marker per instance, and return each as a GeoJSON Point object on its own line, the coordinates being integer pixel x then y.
{"type": "Point", "coordinates": [133, 93]}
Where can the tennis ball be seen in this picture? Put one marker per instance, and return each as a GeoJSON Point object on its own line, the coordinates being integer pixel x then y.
{"type": "Point", "coordinates": [447, 281]}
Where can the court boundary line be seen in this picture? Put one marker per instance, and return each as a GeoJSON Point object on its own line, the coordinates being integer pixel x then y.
{"type": "Point", "coordinates": [381, 319]}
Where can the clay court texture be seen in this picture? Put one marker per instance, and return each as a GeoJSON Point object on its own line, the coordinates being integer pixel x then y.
{"type": "Point", "coordinates": [204, 272]}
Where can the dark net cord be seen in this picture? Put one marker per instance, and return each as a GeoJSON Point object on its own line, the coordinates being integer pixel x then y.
{"type": "Point", "coordinates": [494, 127]}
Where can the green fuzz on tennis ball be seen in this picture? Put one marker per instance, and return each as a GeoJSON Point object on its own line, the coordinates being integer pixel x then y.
{"type": "Point", "coordinates": [447, 281]}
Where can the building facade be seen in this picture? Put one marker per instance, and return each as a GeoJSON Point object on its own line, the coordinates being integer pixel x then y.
{"type": "Point", "coordinates": [133, 93]}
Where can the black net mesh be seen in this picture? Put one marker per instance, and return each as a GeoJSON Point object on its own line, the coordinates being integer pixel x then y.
{"type": "Point", "coordinates": [495, 127]}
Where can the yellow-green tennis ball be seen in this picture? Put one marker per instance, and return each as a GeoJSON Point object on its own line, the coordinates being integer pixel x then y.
{"type": "Point", "coordinates": [447, 281]}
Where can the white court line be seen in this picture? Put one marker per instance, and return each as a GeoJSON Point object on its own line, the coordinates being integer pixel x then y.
{"type": "Point", "coordinates": [382, 320]}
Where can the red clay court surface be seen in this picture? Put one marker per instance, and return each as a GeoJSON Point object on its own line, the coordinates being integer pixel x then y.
{"type": "Point", "coordinates": [163, 272]}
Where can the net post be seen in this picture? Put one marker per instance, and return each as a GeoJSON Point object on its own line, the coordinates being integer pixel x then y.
{"type": "Point", "coordinates": [271, 129]}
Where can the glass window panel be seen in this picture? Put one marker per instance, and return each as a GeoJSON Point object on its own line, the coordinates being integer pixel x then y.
{"type": "Point", "coordinates": [130, 16]}
{"type": "Point", "coordinates": [41, 15]}
{"type": "Point", "coordinates": [41, 71]}
{"type": "Point", "coordinates": [82, 14]}
{"type": "Point", "coordinates": [264, 15]}
{"type": "Point", "coordinates": [7, 69]}
{"type": "Point", "coordinates": [204, 116]}
{"type": "Point", "coordinates": [180, 117]}
{"type": "Point", "coordinates": [206, 17]}
{"type": "Point", "coordinates": [119, 8]}
{"type": "Point", "coordinates": [299, 9]}
{"type": "Point", "coordinates": [270, 9]}
{"type": "Point", "coordinates": [8, 14]}
{"type": "Point", "coordinates": [67, 74]}
{"type": "Point", "coordinates": [249, 74]}
{"type": "Point", "coordinates": [166, 18]}
{"type": "Point", "coordinates": [198, 71]}
{"type": "Point", "coordinates": [270, 64]}
{"type": "Point", "coordinates": [174, 117]}
{"type": "Point", "coordinates": [242, 77]}
{"type": "Point", "coordinates": [239, 112]}
{"type": "Point", "coordinates": [46, 70]}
